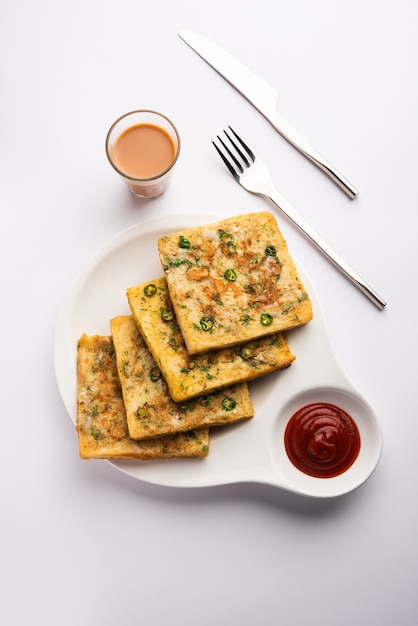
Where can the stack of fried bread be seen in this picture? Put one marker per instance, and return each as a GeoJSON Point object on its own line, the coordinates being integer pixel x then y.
{"type": "Point", "coordinates": [101, 415]}
{"type": "Point", "coordinates": [181, 362]}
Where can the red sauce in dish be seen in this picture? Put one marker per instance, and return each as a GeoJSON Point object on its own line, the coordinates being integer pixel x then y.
{"type": "Point", "coordinates": [322, 440]}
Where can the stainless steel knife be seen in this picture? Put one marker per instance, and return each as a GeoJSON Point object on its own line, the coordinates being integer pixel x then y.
{"type": "Point", "coordinates": [264, 97]}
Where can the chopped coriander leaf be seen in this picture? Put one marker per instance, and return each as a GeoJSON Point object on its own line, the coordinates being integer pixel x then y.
{"type": "Point", "coordinates": [255, 288]}
{"type": "Point", "coordinates": [96, 433]}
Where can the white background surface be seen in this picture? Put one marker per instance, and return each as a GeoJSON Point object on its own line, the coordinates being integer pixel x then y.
{"type": "Point", "coordinates": [84, 544]}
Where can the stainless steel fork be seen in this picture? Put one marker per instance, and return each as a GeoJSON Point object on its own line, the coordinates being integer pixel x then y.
{"type": "Point", "coordinates": [253, 175]}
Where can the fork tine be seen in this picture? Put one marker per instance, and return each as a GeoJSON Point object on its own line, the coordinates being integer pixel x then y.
{"type": "Point", "coordinates": [238, 151]}
{"type": "Point", "coordinates": [233, 157]}
{"type": "Point", "coordinates": [225, 160]}
{"type": "Point", "coordinates": [238, 169]}
{"type": "Point", "coordinates": [243, 144]}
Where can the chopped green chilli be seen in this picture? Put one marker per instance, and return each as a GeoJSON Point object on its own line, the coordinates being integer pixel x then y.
{"type": "Point", "coordinates": [150, 290]}
{"type": "Point", "coordinates": [167, 315]}
{"type": "Point", "coordinates": [230, 274]}
{"type": "Point", "coordinates": [266, 319]}
{"type": "Point", "coordinates": [155, 373]}
{"type": "Point", "coordinates": [246, 353]}
{"type": "Point", "coordinates": [229, 404]}
{"type": "Point", "coordinates": [184, 242]}
{"type": "Point", "coordinates": [207, 323]}
{"type": "Point", "coordinates": [270, 251]}
{"type": "Point", "coordinates": [142, 414]}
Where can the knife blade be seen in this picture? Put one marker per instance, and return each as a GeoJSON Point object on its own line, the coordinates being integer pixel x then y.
{"type": "Point", "coordinates": [264, 98]}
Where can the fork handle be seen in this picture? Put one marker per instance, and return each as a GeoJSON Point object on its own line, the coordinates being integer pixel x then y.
{"type": "Point", "coordinates": [326, 249]}
{"type": "Point", "coordinates": [293, 137]}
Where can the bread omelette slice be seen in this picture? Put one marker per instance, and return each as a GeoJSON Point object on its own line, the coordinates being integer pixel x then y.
{"type": "Point", "coordinates": [150, 410]}
{"type": "Point", "coordinates": [190, 376]}
{"type": "Point", "coordinates": [232, 281]}
{"type": "Point", "coordinates": [101, 417]}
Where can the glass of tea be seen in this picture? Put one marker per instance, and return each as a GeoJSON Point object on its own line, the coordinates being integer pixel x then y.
{"type": "Point", "coordinates": [143, 147]}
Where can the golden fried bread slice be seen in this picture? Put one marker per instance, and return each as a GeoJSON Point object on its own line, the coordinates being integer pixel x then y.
{"type": "Point", "coordinates": [188, 376]}
{"type": "Point", "coordinates": [150, 410]}
{"type": "Point", "coordinates": [232, 281]}
{"type": "Point", "coordinates": [101, 417]}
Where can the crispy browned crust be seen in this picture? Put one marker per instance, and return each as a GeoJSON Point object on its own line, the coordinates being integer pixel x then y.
{"type": "Point", "coordinates": [214, 312]}
{"type": "Point", "coordinates": [101, 417]}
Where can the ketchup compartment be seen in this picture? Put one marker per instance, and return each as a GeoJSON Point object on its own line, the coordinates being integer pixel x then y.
{"type": "Point", "coordinates": [322, 440]}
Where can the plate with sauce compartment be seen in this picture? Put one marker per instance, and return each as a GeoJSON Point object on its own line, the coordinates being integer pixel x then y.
{"type": "Point", "coordinates": [258, 450]}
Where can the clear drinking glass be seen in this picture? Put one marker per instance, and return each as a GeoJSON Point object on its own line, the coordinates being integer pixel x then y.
{"type": "Point", "coordinates": [143, 147]}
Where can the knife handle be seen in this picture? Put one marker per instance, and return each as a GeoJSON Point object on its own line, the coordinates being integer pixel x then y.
{"type": "Point", "coordinates": [289, 133]}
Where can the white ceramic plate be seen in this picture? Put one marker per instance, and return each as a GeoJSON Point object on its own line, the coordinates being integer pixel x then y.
{"type": "Point", "coordinates": [252, 451]}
